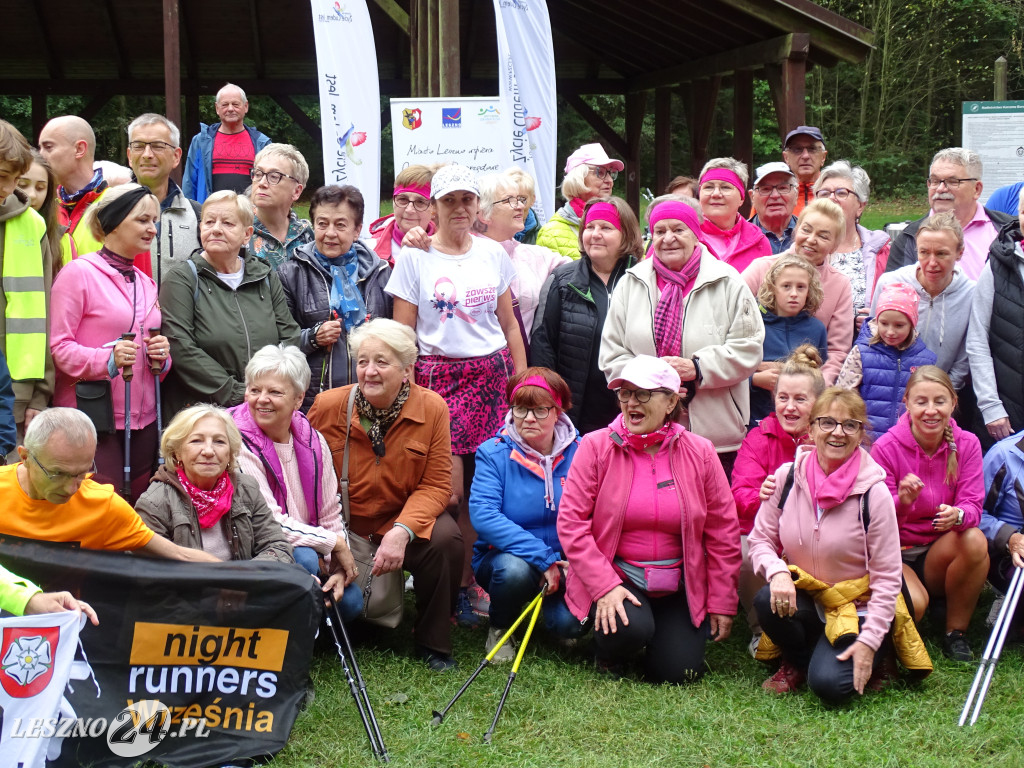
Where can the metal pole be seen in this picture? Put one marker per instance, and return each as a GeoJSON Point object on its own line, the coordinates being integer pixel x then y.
{"type": "Point", "coordinates": [157, 368]}
{"type": "Point", "coordinates": [127, 372]}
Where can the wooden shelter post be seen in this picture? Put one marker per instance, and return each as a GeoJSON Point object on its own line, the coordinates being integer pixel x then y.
{"type": "Point", "coordinates": [172, 69]}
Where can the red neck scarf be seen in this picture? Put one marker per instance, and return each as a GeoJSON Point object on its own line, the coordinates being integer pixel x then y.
{"type": "Point", "coordinates": [641, 442]}
{"type": "Point", "coordinates": [210, 505]}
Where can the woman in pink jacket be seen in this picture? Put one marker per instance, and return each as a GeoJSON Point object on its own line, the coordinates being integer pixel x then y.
{"type": "Point", "coordinates": [824, 533]}
{"type": "Point", "coordinates": [96, 298]}
{"type": "Point", "coordinates": [934, 472]}
{"type": "Point", "coordinates": [649, 528]}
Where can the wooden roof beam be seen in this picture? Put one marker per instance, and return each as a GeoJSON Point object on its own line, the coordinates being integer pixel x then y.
{"type": "Point", "coordinates": [117, 43]}
{"type": "Point", "coordinates": [395, 13]}
{"type": "Point", "coordinates": [53, 67]}
{"type": "Point", "coordinates": [597, 122]}
{"type": "Point", "coordinates": [749, 57]}
{"type": "Point", "coordinates": [257, 41]}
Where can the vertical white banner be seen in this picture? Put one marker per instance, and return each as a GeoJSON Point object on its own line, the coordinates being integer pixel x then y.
{"type": "Point", "coordinates": [346, 61]}
{"type": "Point", "coordinates": [526, 75]}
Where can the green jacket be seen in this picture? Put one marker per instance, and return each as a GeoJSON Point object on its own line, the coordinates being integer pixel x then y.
{"type": "Point", "coordinates": [15, 592]}
{"type": "Point", "coordinates": [561, 233]}
{"type": "Point", "coordinates": [214, 330]}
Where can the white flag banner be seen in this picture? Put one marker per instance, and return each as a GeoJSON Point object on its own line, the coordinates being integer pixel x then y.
{"type": "Point", "coordinates": [346, 61]}
{"type": "Point", "coordinates": [526, 67]}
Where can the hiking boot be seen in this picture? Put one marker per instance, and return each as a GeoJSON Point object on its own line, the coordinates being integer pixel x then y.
{"type": "Point", "coordinates": [787, 679]}
{"type": "Point", "coordinates": [465, 616]}
{"type": "Point", "coordinates": [884, 674]}
{"type": "Point", "coordinates": [755, 640]}
{"type": "Point", "coordinates": [479, 600]}
{"type": "Point", "coordinates": [614, 669]}
{"type": "Point", "coordinates": [437, 661]}
{"type": "Point", "coordinates": [955, 646]}
{"type": "Point", "coordinates": [993, 612]}
{"type": "Point", "coordinates": [506, 653]}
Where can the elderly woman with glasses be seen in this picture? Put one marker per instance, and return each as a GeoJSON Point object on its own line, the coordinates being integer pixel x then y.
{"type": "Point", "coordinates": [730, 237]}
{"type": "Point", "coordinates": [412, 209]}
{"type": "Point", "coordinates": [589, 174]}
{"type": "Point", "coordinates": [291, 463]}
{"type": "Point", "coordinates": [862, 253]}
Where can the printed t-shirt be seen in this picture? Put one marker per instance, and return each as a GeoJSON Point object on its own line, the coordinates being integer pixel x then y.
{"type": "Point", "coordinates": [233, 155]}
{"type": "Point", "coordinates": [456, 297]}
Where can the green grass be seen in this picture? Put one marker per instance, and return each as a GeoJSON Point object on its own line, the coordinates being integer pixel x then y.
{"type": "Point", "coordinates": [562, 713]}
{"type": "Point", "coordinates": [882, 212]}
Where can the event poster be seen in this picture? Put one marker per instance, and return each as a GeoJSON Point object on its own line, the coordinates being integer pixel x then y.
{"type": "Point", "coordinates": [995, 130]}
{"type": "Point", "coordinates": [464, 130]}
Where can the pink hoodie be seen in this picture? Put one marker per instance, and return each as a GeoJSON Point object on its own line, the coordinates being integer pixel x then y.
{"type": "Point", "coordinates": [593, 506]}
{"type": "Point", "coordinates": [898, 453]}
{"type": "Point", "coordinates": [834, 547]}
{"type": "Point", "coordinates": [765, 448]}
{"type": "Point", "coordinates": [738, 246]}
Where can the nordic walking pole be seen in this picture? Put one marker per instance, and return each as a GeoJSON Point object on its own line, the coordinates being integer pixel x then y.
{"type": "Point", "coordinates": [993, 648]}
{"type": "Point", "coordinates": [358, 689]}
{"type": "Point", "coordinates": [439, 716]}
{"type": "Point", "coordinates": [515, 668]}
{"type": "Point", "coordinates": [156, 368]}
{"type": "Point", "coordinates": [127, 372]}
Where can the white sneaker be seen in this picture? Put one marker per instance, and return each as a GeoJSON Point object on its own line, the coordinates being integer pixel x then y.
{"type": "Point", "coordinates": [993, 613]}
{"type": "Point", "coordinates": [752, 645]}
{"type": "Point", "coordinates": [507, 652]}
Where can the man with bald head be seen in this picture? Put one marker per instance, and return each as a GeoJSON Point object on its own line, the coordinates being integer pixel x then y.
{"type": "Point", "coordinates": [221, 155]}
{"type": "Point", "coordinates": [69, 146]}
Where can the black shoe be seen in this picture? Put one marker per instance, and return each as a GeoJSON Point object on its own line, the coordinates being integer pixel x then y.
{"type": "Point", "coordinates": [465, 616]}
{"type": "Point", "coordinates": [614, 669]}
{"type": "Point", "coordinates": [955, 646]}
{"type": "Point", "coordinates": [438, 662]}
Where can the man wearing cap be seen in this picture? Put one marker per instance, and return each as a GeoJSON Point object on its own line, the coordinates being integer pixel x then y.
{"type": "Point", "coordinates": [589, 173]}
{"type": "Point", "coordinates": [774, 197]}
{"type": "Point", "coordinates": [804, 152]}
{"type": "Point", "coordinates": [954, 184]}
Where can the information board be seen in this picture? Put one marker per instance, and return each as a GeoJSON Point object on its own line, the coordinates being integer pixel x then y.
{"type": "Point", "coordinates": [995, 130]}
{"type": "Point", "coordinates": [463, 130]}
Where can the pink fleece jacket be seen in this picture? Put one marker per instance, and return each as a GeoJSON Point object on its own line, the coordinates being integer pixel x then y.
{"type": "Point", "coordinates": [834, 547]}
{"type": "Point", "coordinates": [898, 453]}
{"type": "Point", "coordinates": [765, 448]}
{"type": "Point", "coordinates": [593, 506]}
{"type": "Point", "coordinates": [836, 311]}
{"type": "Point", "coordinates": [91, 304]}
{"type": "Point", "coordinates": [738, 246]}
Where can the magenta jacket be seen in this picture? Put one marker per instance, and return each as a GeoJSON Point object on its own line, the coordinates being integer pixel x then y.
{"type": "Point", "coordinates": [91, 305]}
{"type": "Point", "coordinates": [594, 504]}
{"type": "Point", "coordinates": [747, 239]}
{"type": "Point", "coordinates": [835, 547]}
{"type": "Point", "coordinates": [765, 448]}
{"type": "Point", "coordinates": [898, 454]}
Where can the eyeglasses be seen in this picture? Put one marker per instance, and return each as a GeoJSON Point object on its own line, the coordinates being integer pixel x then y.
{"type": "Point", "coordinates": [602, 173]}
{"type": "Point", "coordinates": [404, 202]}
{"type": "Point", "coordinates": [801, 150]}
{"type": "Point", "coordinates": [63, 477]}
{"type": "Point", "coordinates": [765, 190]}
{"type": "Point", "coordinates": [273, 177]}
{"type": "Point", "coordinates": [157, 146]}
{"type": "Point", "coordinates": [641, 395]}
{"type": "Point", "coordinates": [932, 182]}
{"type": "Point", "coordinates": [828, 424]}
{"type": "Point", "coordinates": [513, 201]}
{"type": "Point", "coordinates": [521, 412]}
{"type": "Point", "coordinates": [839, 194]}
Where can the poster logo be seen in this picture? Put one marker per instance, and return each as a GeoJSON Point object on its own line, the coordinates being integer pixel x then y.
{"type": "Point", "coordinates": [26, 659]}
{"type": "Point", "coordinates": [338, 13]}
{"type": "Point", "coordinates": [489, 115]}
{"type": "Point", "coordinates": [412, 118]}
{"type": "Point", "coordinates": [451, 117]}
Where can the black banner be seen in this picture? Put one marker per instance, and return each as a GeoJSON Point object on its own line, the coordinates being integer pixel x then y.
{"type": "Point", "coordinates": [193, 664]}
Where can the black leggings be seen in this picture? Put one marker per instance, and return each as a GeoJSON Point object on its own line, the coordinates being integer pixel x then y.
{"type": "Point", "coordinates": [675, 648]}
{"type": "Point", "coordinates": [804, 645]}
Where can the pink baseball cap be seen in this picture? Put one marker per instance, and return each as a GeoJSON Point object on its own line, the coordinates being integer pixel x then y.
{"type": "Point", "coordinates": [647, 372]}
{"type": "Point", "coordinates": [901, 298]}
{"type": "Point", "coordinates": [592, 154]}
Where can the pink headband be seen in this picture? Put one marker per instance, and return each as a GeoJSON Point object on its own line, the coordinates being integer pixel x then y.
{"type": "Point", "coordinates": [724, 174]}
{"type": "Point", "coordinates": [604, 212]}
{"type": "Point", "coordinates": [537, 381]}
{"type": "Point", "coordinates": [423, 190]}
{"type": "Point", "coordinates": [673, 209]}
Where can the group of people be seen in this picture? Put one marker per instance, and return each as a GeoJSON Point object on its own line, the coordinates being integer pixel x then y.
{"type": "Point", "coordinates": [652, 424]}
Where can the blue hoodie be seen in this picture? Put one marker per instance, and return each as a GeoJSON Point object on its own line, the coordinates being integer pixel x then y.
{"type": "Point", "coordinates": [781, 336]}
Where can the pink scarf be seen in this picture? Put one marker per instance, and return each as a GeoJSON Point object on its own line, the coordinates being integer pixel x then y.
{"type": "Point", "coordinates": [668, 317]}
{"type": "Point", "coordinates": [641, 442]}
{"type": "Point", "coordinates": [210, 505]}
{"type": "Point", "coordinates": [831, 490]}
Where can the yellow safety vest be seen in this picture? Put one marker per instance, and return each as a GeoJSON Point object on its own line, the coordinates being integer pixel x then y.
{"type": "Point", "coordinates": [25, 289]}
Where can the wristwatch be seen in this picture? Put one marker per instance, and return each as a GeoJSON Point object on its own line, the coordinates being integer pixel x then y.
{"type": "Point", "coordinates": [312, 336]}
{"type": "Point", "coordinates": [959, 516]}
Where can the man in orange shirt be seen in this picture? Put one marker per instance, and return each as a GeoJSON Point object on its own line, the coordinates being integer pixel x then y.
{"type": "Point", "coordinates": [804, 152]}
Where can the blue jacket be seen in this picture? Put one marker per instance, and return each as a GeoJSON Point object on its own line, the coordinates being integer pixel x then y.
{"type": "Point", "coordinates": [506, 502]}
{"type": "Point", "coordinates": [885, 371]}
{"type": "Point", "coordinates": [1003, 513]}
{"type": "Point", "coordinates": [197, 183]}
{"type": "Point", "coordinates": [781, 336]}
{"type": "Point", "coordinates": [8, 436]}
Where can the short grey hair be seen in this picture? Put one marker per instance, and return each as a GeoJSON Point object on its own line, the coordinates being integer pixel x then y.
{"type": "Point", "coordinates": [152, 118]}
{"type": "Point", "coordinates": [300, 168]}
{"type": "Point", "coordinates": [684, 199]}
{"type": "Point", "coordinates": [730, 164]}
{"type": "Point", "coordinates": [492, 187]}
{"type": "Point", "coordinates": [856, 175]}
{"type": "Point", "coordinates": [242, 204]}
{"type": "Point", "coordinates": [184, 423]}
{"type": "Point", "coordinates": [279, 360]}
{"type": "Point", "coordinates": [525, 182]}
{"type": "Point", "coordinates": [398, 336]}
{"type": "Point", "coordinates": [968, 158]}
{"type": "Point", "coordinates": [230, 87]}
{"type": "Point", "coordinates": [71, 423]}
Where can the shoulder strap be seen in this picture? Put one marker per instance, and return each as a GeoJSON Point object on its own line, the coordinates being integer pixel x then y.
{"type": "Point", "coordinates": [865, 513]}
{"type": "Point", "coordinates": [343, 480]}
{"type": "Point", "coordinates": [994, 489]}
{"type": "Point", "coordinates": [786, 488]}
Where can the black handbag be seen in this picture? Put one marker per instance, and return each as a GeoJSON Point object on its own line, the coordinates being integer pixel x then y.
{"type": "Point", "coordinates": [96, 402]}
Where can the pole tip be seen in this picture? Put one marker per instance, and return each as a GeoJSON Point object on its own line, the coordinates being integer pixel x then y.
{"type": "Point", "coordinates": [438, 717]}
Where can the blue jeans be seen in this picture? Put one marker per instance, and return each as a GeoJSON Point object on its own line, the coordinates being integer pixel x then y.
{"type": "Point", "coordinates": [511, 583]}
{"type": "Point", "coordinates": [351, 604]}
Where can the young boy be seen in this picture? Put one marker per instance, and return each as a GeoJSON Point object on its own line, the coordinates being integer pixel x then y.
{"type": "Point", "coordinates": [26, 274]}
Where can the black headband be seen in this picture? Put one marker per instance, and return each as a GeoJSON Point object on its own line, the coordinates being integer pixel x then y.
{"type": "Point", "coordinates": [111, 215]}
